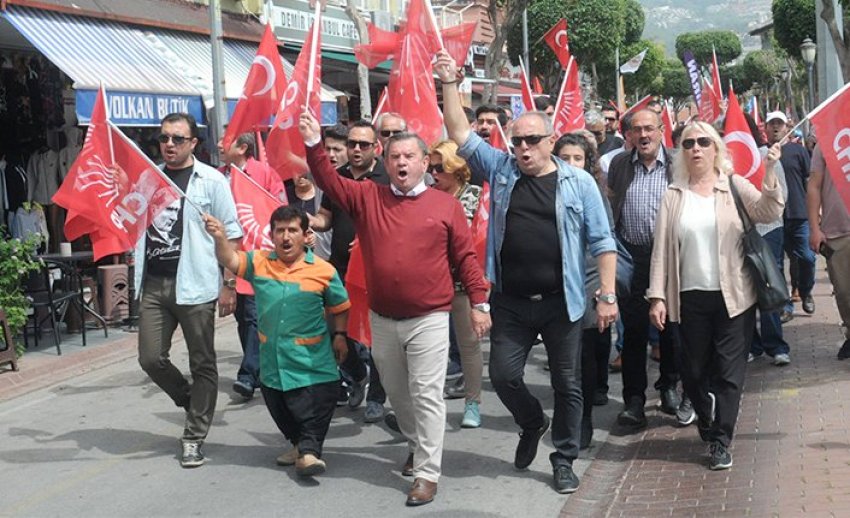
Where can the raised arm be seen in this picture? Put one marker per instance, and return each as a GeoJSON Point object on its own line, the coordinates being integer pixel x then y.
{"type": "Point", "coordinates": [225, 252]}
{"type": "Point", "coordinates": [455, 120]}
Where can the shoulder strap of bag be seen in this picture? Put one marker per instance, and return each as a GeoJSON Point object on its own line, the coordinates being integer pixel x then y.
{"type": "Point", "coordinates": [739, 205]}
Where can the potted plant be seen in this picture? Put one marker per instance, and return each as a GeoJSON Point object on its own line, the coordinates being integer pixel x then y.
{"type": "Point", "coordinates": [17, 260]}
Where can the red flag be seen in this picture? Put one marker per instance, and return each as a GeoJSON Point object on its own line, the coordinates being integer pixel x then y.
{"type": "Point", "coordinates": [383, 105]}
{"type": "Point", "coordinates": [498, 139]}
{"type": "Point", "coordinates": [709, 104]}
{"type": "Point", "coordinates": [557, 39]}
{"type": "Point", "coordinates": [262, 92]}
{"type": "Point", "coordinates": [457, 40]}
{"type": "Point", "coordinates": [285, 147]}
{"type": "Point", "coordinates": [536, 87]}
{"type": "Point", "coordinates": [254, 207]}
{"type": "Point", "coordinates": [569, 110]}
{"type": "Point", "coordinates": [355, 283]}
{"type": "Point", "coordinates": [116, 208]}
{"type": "Point", "coordinates": [640, 105]}
{"type": "Point", "coordinates": [479, 226]}
{"type": "Point", "coordinates": [411, 89]}
{"type": "Point", "coordinates": [667, 120]}
{"type": "Point", "coordinates": [832, 124]}
{"type": "Point", "coordinates": [717, 86]}
{"type": "Point", "coordinates": [527, 94]}
{"type": "Point", "coordinates": [742, 147]}
{"type": "Point", "coordinates": [381, 47]}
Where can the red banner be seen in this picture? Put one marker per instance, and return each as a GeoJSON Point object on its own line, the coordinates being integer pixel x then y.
{"type": "Point", "coordinates": [254, 207]}
{"type": "Point", "coordinates": [355, 283]}
{"type": "Point", "coordinates": [480, 222]}
{"type": "Point", "coordinates": [569, 111]}
{"type": "Point", "coordinates": [557, 39]}
{"type": "Point", "coordinates": [457, 40]}
{"type": "Point", "coordinates": [667, 120]}
{"type": "Point", "coordinates": [527, 94]}
{"type": "Point", "coordinates": [742, 147]}
{"type": "Point", "coordinates": [262, 92]}
{"type": "Point", "coordinates": [832, 124]}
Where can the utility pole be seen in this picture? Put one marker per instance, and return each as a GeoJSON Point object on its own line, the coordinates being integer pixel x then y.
{"type": "Point", "coordinates": [525, 43]}
{"type": "Point", "coordinates": [219, 109]}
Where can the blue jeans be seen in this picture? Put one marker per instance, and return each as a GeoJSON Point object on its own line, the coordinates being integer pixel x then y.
{"type": "Point", "coordinates": [246, 326]}
{"type": "Point", "coordinates": [796, 244]}
{"type": "Point", "coordinates": [769, 339]}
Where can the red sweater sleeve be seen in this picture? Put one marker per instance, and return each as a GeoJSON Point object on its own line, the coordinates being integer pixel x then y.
{"type": "Point", "coordinates": [463, 258]}
{"type": "Point", "coordinates": [343, 191]}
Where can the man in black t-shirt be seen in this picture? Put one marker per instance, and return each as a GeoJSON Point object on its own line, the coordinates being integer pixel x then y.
{"type": "Point", "coordinates": [363, 164]}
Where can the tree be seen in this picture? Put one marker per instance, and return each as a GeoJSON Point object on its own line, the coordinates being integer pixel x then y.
{"type": "Point", "coordinates": [761, 66]}
{"type": "Point", "coordinates": [362, 70]}
{"type": "Point", "coordinates": [645, 80]}
{"type": "Point", "coordinates": [676, 82]}
{"type": "Point", "coordinates": [793, 21]}
{"type": "Point", "coordinates": [635, 20]}
{"type": "Point", "coordinates": [839, 40]}
{"type": "Point", "coordinates": [726, 44]}
{"type": "Point", "coordinates": [495, 58]}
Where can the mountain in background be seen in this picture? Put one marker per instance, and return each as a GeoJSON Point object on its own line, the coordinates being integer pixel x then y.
{"type": "Point", "coordinates": [667, 19]}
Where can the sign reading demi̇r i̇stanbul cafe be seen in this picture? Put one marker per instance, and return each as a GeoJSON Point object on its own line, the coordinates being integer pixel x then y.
{"type": "Point", "coordinates": [292, 19]}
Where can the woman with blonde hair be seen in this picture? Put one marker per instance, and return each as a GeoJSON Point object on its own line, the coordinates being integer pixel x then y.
{"type": "Point", "coordinates": [451, 174]}
{"type": "Point", "coordinates": [698, 277]}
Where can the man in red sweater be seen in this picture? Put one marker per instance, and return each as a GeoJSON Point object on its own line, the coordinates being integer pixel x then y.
{"type": "Point", "coordinates": [411, 237]}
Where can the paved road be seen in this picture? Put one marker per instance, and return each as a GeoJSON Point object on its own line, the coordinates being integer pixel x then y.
{"type": "Point", "coordinates": [105, 443]}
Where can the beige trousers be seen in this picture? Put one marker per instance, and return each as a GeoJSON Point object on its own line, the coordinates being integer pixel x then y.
{"type": "Point", "coordinates": [469, 345]}
{"type": "Point", "coordinates": [411, 355]}
{"type": "Point", "coordinates": [839, 274]}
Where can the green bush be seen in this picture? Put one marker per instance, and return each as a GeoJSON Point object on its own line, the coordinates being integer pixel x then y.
{"type": "Point", "coordinates": [17, 260]}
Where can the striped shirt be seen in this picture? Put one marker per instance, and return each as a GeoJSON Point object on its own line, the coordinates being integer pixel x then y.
{"type": "Point", "coordinates": [643, 199]}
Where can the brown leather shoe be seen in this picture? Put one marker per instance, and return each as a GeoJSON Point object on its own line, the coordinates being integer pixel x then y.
{"type": "Point", "coordinates": [616, 364]}
{"type": "Point", "coordinates": [421, 492]}
{"type": "Point", "coordinates": [407, 469]}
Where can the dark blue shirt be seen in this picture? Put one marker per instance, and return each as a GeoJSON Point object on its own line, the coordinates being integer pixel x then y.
{"type": "Point", "coordinates": [797, 163]}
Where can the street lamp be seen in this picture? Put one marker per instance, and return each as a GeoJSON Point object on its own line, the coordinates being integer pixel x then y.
{"type": "Point", "coordinates": [808, 50]}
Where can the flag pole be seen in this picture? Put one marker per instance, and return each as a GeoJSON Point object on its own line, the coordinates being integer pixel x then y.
{"type": "Point", "coordinates": [108, 133]}
{"type": "Point", "coordinates": [434, 23]}
{"type": "Point", "coordinates": [812, 113]}
{"type": "Point", "coordinates": [258, 186]}
{"type": "Point", "coordinates": [559, 103]}
{"type": "Point", "coordinates": [133, 145]}
{"type": "Point", "coordinates": [311, 74]}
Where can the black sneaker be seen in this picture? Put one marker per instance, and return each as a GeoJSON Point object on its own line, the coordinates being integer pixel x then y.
{"type": "Point", "coordinates": [192, 455]}
{"type": "Point", "coordinates": [342, 397]}
{"type": "Point", "coordinates": [633, 415]}
{"type": "Point", "coordinates": [844, 352]}
{"type": "Point", "coordinates": [670, 400]}
{"type": "Point", "coordinates": [392, 422]}
{"type": "Point", "coordinates": [809, 304]}
{"type": "Point", "coordinates": [244, 389]}
{"type": "Point", "coordinates": [600, 398]}
{"type": "Point", "coordinates": [565, 480]}
{"type": "Point", "coordinates": [357, 393]}
{"type": "Point", "coordinates": [720, 457]}
{"type": "Point", "coordinates": [526, 450]}
{"type": "Point", "coordinates": [685, 414]}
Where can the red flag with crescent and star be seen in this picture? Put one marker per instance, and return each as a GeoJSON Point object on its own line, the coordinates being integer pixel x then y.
{"type": "Point", "coordinates": [557, 39]}
{"type": "Point", "coordinates": [262, 92]}
{"type": "Point", "coordinates": [569, 111]}
{"type": "Point", "coordinates": [746, 158]}
{"type": "Point", "coordinates": [284, 146]}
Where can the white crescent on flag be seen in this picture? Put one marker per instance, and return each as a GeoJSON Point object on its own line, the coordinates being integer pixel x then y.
{"type": "Point", "coordinates": [270, 75]}
{"type": "Point", "coordinates": [741, 138]}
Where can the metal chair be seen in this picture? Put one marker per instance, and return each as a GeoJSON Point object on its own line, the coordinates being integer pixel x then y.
{"type": "Point", "coordinates": [55, 297]}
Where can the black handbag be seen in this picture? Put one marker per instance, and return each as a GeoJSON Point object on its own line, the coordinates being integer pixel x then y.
{"type": "Point", "coordinates": [625, 270]}
{"type": "Point", "coordinates": [769, 280]}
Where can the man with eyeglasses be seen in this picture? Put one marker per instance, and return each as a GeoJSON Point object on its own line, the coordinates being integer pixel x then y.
{"type": "Point", "coordinates": [537, 200]}
{"type": "Point", "coordinates": [612, 118]}
{"type": "Point", "coordinates": [387, 125]}
{"type": "Point", "coordinates": [595, 123]}
{"type": "Point", "coordinates": [637, 181]}
{"type": "Point", "coordinates": [179, 282]}
{"type": "Point", "coordinates": [363, 165]}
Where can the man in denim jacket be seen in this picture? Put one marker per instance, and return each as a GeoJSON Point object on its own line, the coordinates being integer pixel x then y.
{"type": "Point", "coordinates": [544, 214]}
{"type": "Point", "coordinates": [178, 280]}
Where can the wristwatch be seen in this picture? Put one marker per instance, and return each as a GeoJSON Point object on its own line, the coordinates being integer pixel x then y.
{"type": "Point", "coordinates": [230, 283]}
{"type": "Point", "coordinates": [608, 298]}
{"type": "Point", "coordinates": [340, 333]}
{"type": "Point", "coordinates": [483, 307]}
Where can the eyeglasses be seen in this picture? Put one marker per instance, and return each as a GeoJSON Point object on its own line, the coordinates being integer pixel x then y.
{"type": "Point", "coordinates": [389, 133]}
{"type": "Point", "coordinates": [644, 129]}
{"type": "Point", "coordinates": [704, 142]}
{"type": "Point", "coordinates": [531, 140]}
{"type": "Point", "coordinates": [364, 145]}
{"type": "Point", "coordinates": [178, 140]}
{"type": "Point", "coordinates": [610, 119]}
{"type": "Point", "coordinates": [436, 168]}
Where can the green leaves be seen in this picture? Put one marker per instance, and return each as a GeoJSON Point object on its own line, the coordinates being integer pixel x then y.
{"type": "Point", "coordinates": [17, 261]}
{"type": "Point", "coordinates": [793, 21]}
{"type": "Point", "coordinates": [726, 43]}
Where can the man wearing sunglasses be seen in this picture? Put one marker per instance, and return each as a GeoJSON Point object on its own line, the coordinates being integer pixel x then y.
{"type": "Point", "coordinates": [637, 182]}
{"type": "Point", "coordinates": [544, 214]}
{"type": "Point", "coordinates": [595, 123]}
{"type": "Point", "coordinates": [387, 125]}
{"type": "Point", "coordinates": [363, 164]}
{"type": "Point", "coordinates": [179, 281]}
{"type": "Point", "coordinates": [612, 118]}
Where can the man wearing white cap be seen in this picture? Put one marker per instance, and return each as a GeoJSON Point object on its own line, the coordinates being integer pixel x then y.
{"type": "Point", "coordinates": [797, 164]}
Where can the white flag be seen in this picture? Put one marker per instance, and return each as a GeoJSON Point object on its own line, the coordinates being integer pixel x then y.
{"type": "Point", "coordinates": [631, 66]}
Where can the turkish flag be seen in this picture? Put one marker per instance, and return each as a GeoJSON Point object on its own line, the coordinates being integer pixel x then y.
{"type": "Point", "coordinates": [262, 92]}
{"type": "Point", "coordinates": [667, 120]}
{"type": "Point", "coordinates": [457, 40]}
{"type": "Point", "coordinates": [285, 147]}
{"type": "Point", "coordinates": [832, 124]}
{"type": "Point", "coordinates": [557, 39]}
{"type": "Point", "coordinates": [355, 283]}
{"type": "Point", "coordinates": [527, 93]}
{"type": "Point", "coordinates": [569, 110]}
{"type": "Point", "coordinates": [412, 93]}
{"type": "Point", "coordinates": [115, 207]}
{"type": "Point", "coordinates": [480, 222]}
{"type": "Point", "coordinates": [746, 158]}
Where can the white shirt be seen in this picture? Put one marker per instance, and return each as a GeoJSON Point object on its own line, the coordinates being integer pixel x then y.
{"type": "Point", "coordinates": [699, 258]}
{"type": "Point", "coordinates": [412, 193]}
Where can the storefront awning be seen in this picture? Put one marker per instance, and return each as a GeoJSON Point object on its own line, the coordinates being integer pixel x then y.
{"type": "Point", "coordinates": [147, 72]}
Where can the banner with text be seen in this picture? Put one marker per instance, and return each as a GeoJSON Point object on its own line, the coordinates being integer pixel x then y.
{"type": "Point", "coordinates": [139, 108]}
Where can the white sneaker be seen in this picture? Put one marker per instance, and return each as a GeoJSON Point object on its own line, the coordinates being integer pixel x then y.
{"type": "Point", "coordinates": [781, 360]}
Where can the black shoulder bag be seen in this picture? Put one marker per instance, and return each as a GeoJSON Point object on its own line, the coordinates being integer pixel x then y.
{"type": "Point", "coordinates": [769, 280]}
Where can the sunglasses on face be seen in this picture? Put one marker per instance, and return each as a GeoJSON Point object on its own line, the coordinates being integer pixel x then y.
{"type": "Point", "coordinates": [436, 168]}
{"type": "Point", "coordinates": [704, 142]}
{"type": "Point", "coordinates": [610, 119]}
{"type": "Point", "coordinates": [353, 144]}
{"type": "Point", "coordinates": [389, 133]}
{"type": "Point", "coordinates": [531, 140]}
{"type": "Point", "coordinates": [176, 139]}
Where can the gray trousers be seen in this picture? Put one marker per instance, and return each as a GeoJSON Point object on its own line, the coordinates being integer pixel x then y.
{"type": "Point", "coordinates": [159, 315]}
